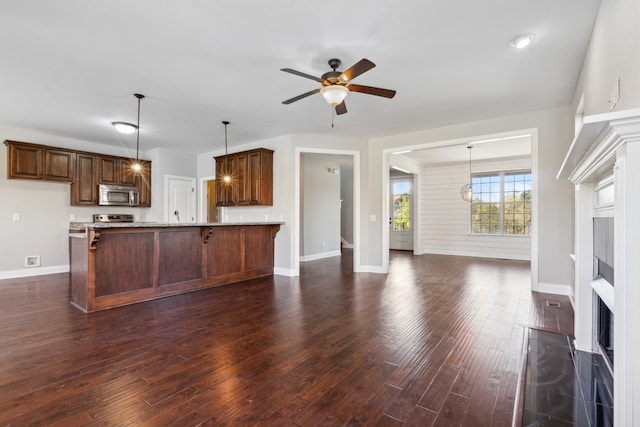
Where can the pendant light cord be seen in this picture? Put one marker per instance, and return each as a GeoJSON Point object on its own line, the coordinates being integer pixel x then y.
{"type": "Point", "coordinates": [226, 150]}
{"type": "Point", "coordinates": [470, 147]}
{"type": "Point", "coordinates": [139, 96]}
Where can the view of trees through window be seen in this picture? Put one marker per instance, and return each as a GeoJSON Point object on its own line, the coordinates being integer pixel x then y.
{"type": "Point", "coordinates": [401, 206]}
{"type": "Point", "coordinates": [501, 203]}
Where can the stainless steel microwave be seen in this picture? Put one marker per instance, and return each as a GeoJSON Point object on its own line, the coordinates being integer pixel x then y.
{"type": "Point", "coordinates": [118, 195]}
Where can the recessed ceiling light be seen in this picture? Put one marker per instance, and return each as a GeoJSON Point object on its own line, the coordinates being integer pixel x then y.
{"type": "Point", "coordinates": [521, 41]}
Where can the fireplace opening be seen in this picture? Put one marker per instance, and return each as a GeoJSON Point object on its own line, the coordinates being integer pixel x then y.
{"type": "Point", "coordinates": [603, 255]}
{"type": "Point", "coordinates": [604, 331]}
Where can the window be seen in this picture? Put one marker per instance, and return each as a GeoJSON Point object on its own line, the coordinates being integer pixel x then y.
{"type": "Point", "coordinates": [401, 206]}
{"type": "Point", "coordinates": [501, 203]}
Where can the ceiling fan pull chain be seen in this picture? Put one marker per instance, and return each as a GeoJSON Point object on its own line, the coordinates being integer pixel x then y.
{"type": "Point", "coordinates": [333, 115]}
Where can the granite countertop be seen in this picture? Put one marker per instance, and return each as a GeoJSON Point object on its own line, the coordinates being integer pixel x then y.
{"type": "Point", "coordinates": [82, 226]}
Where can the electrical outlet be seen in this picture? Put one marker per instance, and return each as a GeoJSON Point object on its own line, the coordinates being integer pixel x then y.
{"type": "Point", "coordinates": [32, 261]}
{"type": "Point", "coordinates": [72, 217]}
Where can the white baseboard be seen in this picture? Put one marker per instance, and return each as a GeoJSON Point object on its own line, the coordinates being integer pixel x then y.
{"type": "Point", "coordinates": [346, 244]}
{"type": "Point", "coordinates": [288, 272]}
{"type": "Point", "coordinates": [553, 288]}
{"type": "Point", "coordinates": [319, 256]}
{"type": "Point", "coordinates": [477, 255]}
{"type": "Point", "coordinates": [369, 269]}
{"type": "Point", "coordinates": [34, 271]}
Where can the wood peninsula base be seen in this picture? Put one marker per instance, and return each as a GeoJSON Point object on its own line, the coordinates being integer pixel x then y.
{"type": "Point", "coordinates": [114, 265]}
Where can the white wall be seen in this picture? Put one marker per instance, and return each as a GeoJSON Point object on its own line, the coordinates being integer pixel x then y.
{"type": "Point", "coordinates": [320, 217]}
{"type": "Point", "coordinates": [614, 51]}
{"type": "Point", "coordinates": [445, 216]}
{"type": "Point", "coordinates": [166, 162]}
{"type": "Point", "coordinates": [44, 207]}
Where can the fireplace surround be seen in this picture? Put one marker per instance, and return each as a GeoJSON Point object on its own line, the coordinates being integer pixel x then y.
{"type": "Point", "coordinates": [603, 163]}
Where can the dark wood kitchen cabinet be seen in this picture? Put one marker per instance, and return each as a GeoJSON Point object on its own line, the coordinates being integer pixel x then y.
{"type": "Point", "coordinates": [251, 178]}
{"type": "Point", "coordinates": [33, 161]}
{"type": "Point", "coordinates": [142, 180]}
{"type": "Point", "coordinates": [116, 171]}
{"type": "Point", "coordinates": [59, 165]}
{"type": "Point", "coordinates": [95, 169]}
{"type": "Point", "coordinates": [84, 188]}
{"type": "Point", "coordinates": [84, 170]}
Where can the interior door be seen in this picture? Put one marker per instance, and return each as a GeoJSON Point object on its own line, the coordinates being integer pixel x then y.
{"type": "Point", "coordinates": [212, 209]}
{"type": "Point", "coordinates": [181, 206]}
{"type": "Point", "coordinates": [401, 215]}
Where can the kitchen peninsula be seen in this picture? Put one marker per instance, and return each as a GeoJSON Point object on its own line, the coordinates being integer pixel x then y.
{"type": "Point", "coordinates": [118, 264]}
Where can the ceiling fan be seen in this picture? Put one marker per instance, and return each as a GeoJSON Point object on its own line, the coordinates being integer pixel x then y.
{"type": "Point", "coordinates": [336, 84]}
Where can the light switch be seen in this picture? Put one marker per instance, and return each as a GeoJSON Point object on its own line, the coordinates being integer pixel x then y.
{"type": "Point", "coordinates": [17, 217]}
{"type": "Point", "coordinates": [372, 218]}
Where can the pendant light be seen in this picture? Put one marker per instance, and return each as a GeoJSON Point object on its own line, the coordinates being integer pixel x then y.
{"type": "Point", "coordinates": [227, 176]}
{"type": "Point", "coordinates": [136, 166]}
{"type": "Point", "coordinates": [466, 192]}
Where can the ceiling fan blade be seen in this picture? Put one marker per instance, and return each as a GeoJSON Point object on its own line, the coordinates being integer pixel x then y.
{"type": "Point", "coordinates": [299, 97]}
{"type": "Point", "coordinates": [387, 93]}
{"type": "Point", "coordinates": [362, 66]}
{"type": "Point", "coordinates": [341, 108]}
{"type": "Point", "coordinates": [301, 74]}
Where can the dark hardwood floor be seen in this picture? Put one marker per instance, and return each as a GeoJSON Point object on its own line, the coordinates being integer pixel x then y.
{"type": "Point", "coordinates": [436, 342]}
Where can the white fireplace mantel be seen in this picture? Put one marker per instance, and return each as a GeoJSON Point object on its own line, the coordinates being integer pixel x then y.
{"type": "Point", "coordinates": [608, 145]}
{"type": "Point", "coordinates": [593, 150]}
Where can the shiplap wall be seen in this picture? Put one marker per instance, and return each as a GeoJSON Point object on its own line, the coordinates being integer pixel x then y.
{"type": "Point", "coordinates": [444, 216]}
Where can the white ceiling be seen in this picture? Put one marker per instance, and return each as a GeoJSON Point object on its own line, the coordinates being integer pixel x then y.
{"type": "Point", "coordinates": [70, 67]}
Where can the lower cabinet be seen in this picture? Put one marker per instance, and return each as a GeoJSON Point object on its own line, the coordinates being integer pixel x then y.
{"type": "Point", "coordinates": [117, 266]}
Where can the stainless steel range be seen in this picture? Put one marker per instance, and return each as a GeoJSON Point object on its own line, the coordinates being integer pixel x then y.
{"type": "Point", "coordinates": [112, 218]}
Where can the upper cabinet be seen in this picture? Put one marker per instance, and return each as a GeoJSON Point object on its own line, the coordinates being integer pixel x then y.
{"type": "Point", "coordinates": [33, 161]}
{"type": "Point", "coordinates": [116, 170]}
{"type": "Point", "coordinates": [251, 175]}
{"type": "Point", "coordinates": [84, 170]}
{"type": "Point", "coordinates": [84, 189]}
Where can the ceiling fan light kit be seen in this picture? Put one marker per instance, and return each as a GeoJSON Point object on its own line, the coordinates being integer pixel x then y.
{"type": "Point", "coordinates": [334, 94]}
{"type": "Point", "coordinates": [336, 84]}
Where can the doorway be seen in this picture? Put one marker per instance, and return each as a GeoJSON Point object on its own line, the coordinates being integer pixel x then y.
{"type": "Point", "coordinates": [401, 212]}
{"type": "Point", "coordinates": [298, 230]}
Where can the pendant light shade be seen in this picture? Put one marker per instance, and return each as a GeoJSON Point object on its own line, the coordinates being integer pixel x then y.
{"type": "Point", "coordinates": [466, 192]}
